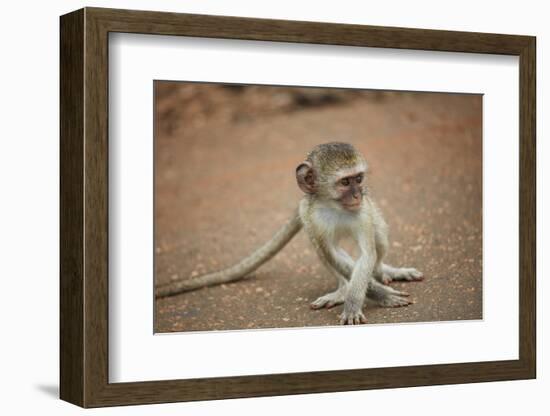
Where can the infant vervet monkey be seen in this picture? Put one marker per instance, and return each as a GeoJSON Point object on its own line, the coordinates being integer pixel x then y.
{"type": "Point", "coordinates": [335, 206]}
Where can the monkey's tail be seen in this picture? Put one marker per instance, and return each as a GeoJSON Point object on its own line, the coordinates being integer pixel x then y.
{"type": "Point", "coordinates": [239, 270]}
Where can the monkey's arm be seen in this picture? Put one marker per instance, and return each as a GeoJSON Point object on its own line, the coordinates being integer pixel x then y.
{"type": "Point", "coordinates": [336, 297]}
{"type": "Point", "coordinates": [330, 255]}
{"type": "Point", "coordinates": [359, 282]}
{"type": "Point", "coordinates": [239, 270]}
{"type": "Point", "coordinates": [341, 265]}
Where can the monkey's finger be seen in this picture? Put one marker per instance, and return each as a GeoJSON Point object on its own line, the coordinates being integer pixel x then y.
{"type": "Point", "coordinates": [355, 319]}
{"type": "Point", "coordinates": [359, 319]}
{"type": "Point", "coordinates": [403, 303]}
{"type": "Point", "coordinates": [403, 294]}
{"type": "Point", "coordinates": [391, 290]}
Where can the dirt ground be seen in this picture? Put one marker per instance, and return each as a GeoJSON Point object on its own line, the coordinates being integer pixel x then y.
{"type": "Point", "coordinates": [224, 183]}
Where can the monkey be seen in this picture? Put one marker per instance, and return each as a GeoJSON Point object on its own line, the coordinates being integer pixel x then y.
{"type": "Point", "coordinates": [336, 205]}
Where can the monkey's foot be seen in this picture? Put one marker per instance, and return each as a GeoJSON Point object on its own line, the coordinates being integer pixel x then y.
{"type": "Point", "coordinates": [352, 318]}
{"type": "Point", "coordinates": [385, 279]}
{"type": "Point", "coordinates": [407, 274]}
{"type": "Point", "coordinates": [329, 300]}
{"type": "Point", "coordinates": [394, 301]}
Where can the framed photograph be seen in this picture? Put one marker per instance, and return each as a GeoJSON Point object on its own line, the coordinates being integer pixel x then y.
{"type": "Point", "coordinates": [255, 207]}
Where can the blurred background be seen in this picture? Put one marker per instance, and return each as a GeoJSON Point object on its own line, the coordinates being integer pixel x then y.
{"type": "Point", "coordinates": [225, 157]}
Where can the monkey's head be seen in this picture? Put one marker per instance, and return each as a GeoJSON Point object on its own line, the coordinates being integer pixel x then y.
{"type": "Point", "coordinates": [334, 172]}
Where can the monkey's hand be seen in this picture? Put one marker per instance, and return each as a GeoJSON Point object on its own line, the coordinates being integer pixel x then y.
{"type": "Point", "coordinates": [394, 301]}
{"type": "Point", "coordinates": [352, 314]}
{"type": "Point", "coordinates": [330, 299]}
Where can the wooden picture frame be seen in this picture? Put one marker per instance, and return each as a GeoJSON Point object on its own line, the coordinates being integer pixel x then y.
{"type": "Point", "coordinates": [84, 207]}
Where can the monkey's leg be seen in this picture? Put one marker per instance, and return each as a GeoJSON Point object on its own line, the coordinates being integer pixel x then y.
{"type": "Point", "coordinates": [340, 263]}
{"type": "Point", "coordinates": [407, 274]}
{"type": "Point", "coordinates": [325, 251]}
{"type": "Point", "coordinates": [377, 293]}
{"type": "Point", "coordinates": [385, 273]}
{"type": "Point", "coordinates": [381, 240]}
{"type": "Point", "coordinates": [337, 297]}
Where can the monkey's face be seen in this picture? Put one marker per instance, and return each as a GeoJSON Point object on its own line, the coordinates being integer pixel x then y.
{"type": "Point", "coordinates": [334, 173]}
{"type": "Point", "coordinates": [348, 190]}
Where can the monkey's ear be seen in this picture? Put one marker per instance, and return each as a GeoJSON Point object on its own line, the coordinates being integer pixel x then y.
{"type": "Point", "coordinates": [305, 176]}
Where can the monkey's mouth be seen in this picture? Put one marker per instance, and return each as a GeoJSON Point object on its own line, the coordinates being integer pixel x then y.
{"type": "Point", "coordinates": [352, 207]}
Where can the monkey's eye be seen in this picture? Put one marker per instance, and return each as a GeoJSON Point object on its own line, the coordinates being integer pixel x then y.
{"type": "Point", "coordinates": [345, 181]}
{"type": "Point", "coordinates": [359, 178]}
